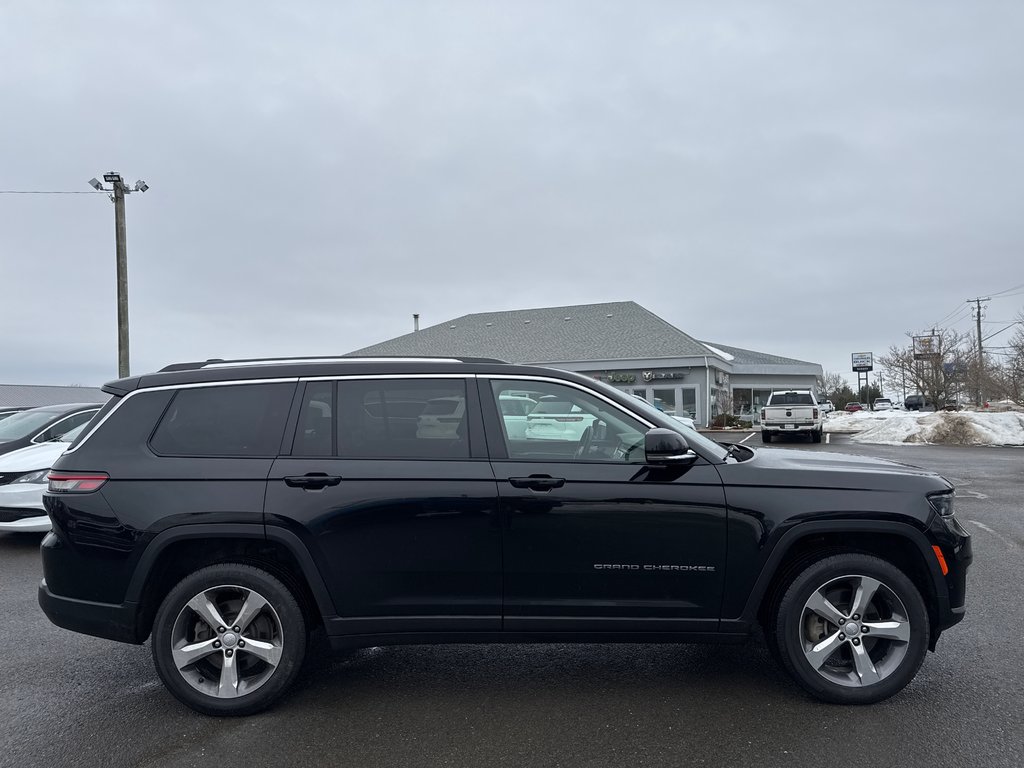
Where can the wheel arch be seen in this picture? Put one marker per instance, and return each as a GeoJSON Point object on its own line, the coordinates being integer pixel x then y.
{"type": "Point", "coordinates": [900, 543]}
{"type": "Point", "coordinates": [176, 552]}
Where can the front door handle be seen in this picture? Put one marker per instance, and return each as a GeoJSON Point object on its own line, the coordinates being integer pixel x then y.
{"type": "Point", "coordinates": [537, 482]}
{"type": "Point", "coordinates": [312, 481]}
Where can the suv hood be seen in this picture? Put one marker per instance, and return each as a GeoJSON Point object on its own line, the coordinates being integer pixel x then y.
{"type": "Point", "coordinates": [783, 457]}
{"type": "Point", "coordinates": [33, 457]}
{"type": "Point", "coordinates": [782, 467]}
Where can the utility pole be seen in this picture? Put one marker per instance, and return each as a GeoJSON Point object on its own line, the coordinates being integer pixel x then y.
{"type": "Point", "coordinates": [119, 190]}
{"type": "Point", "coordinates": [121, 247]}
{"type": "Point", "coordinates": [981, 354]}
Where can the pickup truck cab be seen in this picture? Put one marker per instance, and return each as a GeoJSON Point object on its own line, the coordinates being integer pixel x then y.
{"type": "Point", "coordinates": [792, 411]}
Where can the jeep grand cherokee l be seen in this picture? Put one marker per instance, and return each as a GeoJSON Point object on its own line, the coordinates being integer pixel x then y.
{"type": "Point", "coordinates": [228, 509]}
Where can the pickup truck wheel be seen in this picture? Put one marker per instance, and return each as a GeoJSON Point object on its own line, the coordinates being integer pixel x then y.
{"type": "Point", "coordinates": [766, 437]}
{"type": "Point", "coordinates": [851, 629]}
{"type": "Point", "coordinates": [816, 436]}
{"type": "Point", "coordinates": [229, 639]}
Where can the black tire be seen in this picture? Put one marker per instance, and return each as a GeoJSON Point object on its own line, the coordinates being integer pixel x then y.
{"type": "Point", "coordinates": [766, 437]}
{"type": "Point", "coordinates": [816, 436]}
{"type": "Point", "coordinates": [896, 662]}
{"type": "Point", "coordinates": [279, 625]}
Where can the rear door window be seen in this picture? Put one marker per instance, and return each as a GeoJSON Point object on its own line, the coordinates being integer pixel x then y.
{"type": "Point", "coordinates": [402, 419]}
{"type": "Point", "coordinates": [235, 420]}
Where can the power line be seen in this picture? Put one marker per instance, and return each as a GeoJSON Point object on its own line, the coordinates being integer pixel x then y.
{"type": "Point", "coordinates": [998, 332]}
{"type": "Point", "coordinates": [959, 308]}
{"type": "Point", "coordinates": [48, 192]}
{"type": "Point", "coordinates": [1007, 290]}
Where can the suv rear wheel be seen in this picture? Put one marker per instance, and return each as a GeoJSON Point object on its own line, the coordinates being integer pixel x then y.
{"type": "Point", "coordinates": [851, 629]}
{"type": "Point", "coordinates": [228, 639]}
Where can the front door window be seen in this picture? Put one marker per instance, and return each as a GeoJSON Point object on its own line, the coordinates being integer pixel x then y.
{"type": "Point", "coordinates": [565, 423]}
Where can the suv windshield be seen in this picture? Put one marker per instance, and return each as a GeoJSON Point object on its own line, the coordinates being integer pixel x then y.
{"type": "Point", "coordinates": [24, 424]}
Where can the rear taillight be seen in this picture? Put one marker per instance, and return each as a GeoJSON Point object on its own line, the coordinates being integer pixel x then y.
{"type": "Point", "coordinates": [80, 482]}
{"type": "Point", "coordinates": [762, 414]}
{"type": "Point", "coordinates": [814, 413]}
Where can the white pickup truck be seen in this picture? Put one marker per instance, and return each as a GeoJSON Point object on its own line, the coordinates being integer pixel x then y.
{"type": "Point", "coordinates": [791, 411]}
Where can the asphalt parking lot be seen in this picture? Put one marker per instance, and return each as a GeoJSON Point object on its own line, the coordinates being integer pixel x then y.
{"type": "Point", "coordinates": [74, 700]}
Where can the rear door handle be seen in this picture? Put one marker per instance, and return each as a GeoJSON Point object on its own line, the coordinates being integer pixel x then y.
{"type": "Point", "coordinates": [312, 481]}
{"type": "Point", "coordinates": [537, 482]}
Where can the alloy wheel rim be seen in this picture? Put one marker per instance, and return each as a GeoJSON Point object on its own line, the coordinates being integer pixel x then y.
{"type": "Point", "coordinates": [227, 641]}
{"type": "Point", "coordinates": [854, 631]}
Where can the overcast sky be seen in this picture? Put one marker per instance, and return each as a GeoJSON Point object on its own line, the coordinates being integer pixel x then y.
{"type": "Point", "coordinates": [807, 179]}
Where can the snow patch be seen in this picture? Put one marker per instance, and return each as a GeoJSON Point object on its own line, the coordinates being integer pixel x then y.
{"type": "Point", "coordinates": [949, 428]}
{"type": "Point", "coordinates": [720, 353]}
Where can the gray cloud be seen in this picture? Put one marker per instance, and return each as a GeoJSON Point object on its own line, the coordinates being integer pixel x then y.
{"type": "Point", "coordinates": [805, 179]}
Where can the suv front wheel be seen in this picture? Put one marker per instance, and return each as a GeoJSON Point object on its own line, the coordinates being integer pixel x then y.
{"type": "Point", "coordinates": [851, 629]}
{"type": "Point", "coordinates": [228, 639]}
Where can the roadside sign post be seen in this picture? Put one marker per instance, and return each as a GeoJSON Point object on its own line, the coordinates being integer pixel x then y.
{"type": "Point", "coordinates": [863, 363]}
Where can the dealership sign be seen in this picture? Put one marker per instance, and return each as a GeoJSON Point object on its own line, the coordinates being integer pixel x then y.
{"type": "Point", "coordinates": [927, 348]}
{"type": "Point", "coordinates": [863, 361]}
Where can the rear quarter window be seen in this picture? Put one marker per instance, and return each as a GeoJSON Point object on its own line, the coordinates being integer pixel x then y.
{"type": "Point", "coordinates": [234, 420]}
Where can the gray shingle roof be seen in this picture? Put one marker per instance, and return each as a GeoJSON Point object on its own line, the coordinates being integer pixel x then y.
{"type": "Point", "coordinates": [750, 357]}
{"type": "Point", "coordinates": [33, 396]}
{"type": "Point", "coordinates": [621, 330]}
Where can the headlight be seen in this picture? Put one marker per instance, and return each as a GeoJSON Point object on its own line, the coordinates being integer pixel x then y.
{"type": "Point", "coordinates": [942, 503]}
{"type": "Point", "coordinates": [38, 476]}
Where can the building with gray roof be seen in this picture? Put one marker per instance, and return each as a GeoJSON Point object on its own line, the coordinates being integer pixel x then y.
{"type": "Point", "coordinates": [621, 343]}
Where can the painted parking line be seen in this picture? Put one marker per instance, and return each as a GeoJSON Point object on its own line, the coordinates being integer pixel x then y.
{"type": "Point", "coordinates": [1008, 542]}
{"type": "Point", "coordinates": [746, 438]}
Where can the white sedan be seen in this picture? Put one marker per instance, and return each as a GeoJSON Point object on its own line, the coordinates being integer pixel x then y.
{"type": "Point", "coordinates": [22, 482]}
{"type": "Point", "coordinates": [686, 420]}
{"type": "Point", "coordinates": [555, 419]}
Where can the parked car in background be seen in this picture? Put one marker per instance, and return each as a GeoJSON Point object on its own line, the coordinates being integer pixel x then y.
{"type": "Point", "coordinates": [441, 418]}
{"type": "Point", "coordinates": [952, 404]}
{"type": "Point", "coordinates": [917, 403]}
{"type": "Point", "coordinates": [23, 480]}
{"type": "Point", "coordinates": [514, 410]}
{"type": "Point", "coordinates": [683, 417]}
{"type": "Point", "coordinates": [826, 406]}
{"type": "Point", "coordinates": [686, 420]}
{"type": "Point", "coordinates": [882, 404]}
{"type": "Point", "coordinates": [853, 407]}
{"type": "Point", "coordinates": [40, 425]}
{"type": "Point", "coordinates": [555, 419]}
{"type": "Point", "coordinates": [791, 412]}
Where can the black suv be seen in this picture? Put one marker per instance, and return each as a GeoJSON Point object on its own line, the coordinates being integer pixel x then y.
{"type": "Point", "coordinates": [917, 403]}
{"type": "Point", "coordinates": [232, 508]}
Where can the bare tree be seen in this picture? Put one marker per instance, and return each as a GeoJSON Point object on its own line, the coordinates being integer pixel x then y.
{"type": "Point", "coordinates": [1012, 371]}
{"type": "Point", "coordinates": [945, 375]}
{"type": "Point", "coordinates": [831, 383]}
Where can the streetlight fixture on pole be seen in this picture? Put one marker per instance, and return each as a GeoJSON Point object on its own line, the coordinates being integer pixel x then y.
{"type": "Point", "coordinates": [119, 190]}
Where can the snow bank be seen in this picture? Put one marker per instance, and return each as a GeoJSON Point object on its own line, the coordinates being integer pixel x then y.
{"type": "Point", "coordinates": [901, 427]}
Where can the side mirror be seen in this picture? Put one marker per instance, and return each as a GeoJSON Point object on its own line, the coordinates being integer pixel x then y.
{"type": "Point", "coordinates": [668, 448]}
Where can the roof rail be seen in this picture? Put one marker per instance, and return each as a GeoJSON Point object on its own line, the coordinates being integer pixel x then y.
{"type": "Point", "coordinates": [221, 363]}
